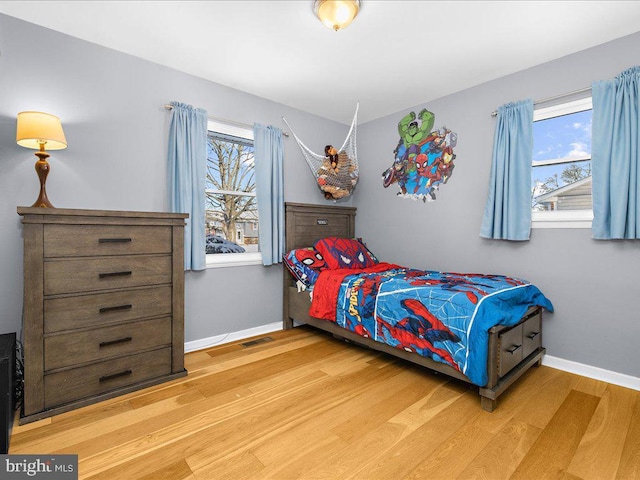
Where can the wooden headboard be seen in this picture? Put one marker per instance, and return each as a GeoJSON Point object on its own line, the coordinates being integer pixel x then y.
{"type": "Point", "coordinates": [307, 223]}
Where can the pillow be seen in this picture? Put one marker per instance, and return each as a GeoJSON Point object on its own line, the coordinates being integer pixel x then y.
{"type": "Point", "coordinates": [305, 264]}
{"type": "Point", "coordinates": [345, 253]}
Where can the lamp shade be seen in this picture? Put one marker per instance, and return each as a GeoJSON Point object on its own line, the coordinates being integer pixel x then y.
{"type": "Point", "coordinates": [336, 14]}
{"type": "Point", "coordinates": [36, 128]}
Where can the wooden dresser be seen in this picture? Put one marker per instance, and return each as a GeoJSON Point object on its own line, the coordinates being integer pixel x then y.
{"type": "Point", "coordinates": [103, 305]}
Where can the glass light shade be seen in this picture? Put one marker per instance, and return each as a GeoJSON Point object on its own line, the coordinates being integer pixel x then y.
{"type": "Point", "coordinates": [36, 128]}
{"type": "Point", "coordinates": [336, 14]}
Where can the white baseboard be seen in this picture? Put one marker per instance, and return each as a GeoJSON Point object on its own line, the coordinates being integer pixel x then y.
{"type": "Point", "coordinates": [554, 362]}
{"type": "Point", "coordinates": [592, 372]}
{"type": "Point", "coordinates": [231, 337]}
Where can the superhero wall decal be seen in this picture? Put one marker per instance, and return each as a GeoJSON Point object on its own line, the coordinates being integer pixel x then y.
{"type": "Point", "coordinates": [423, 158]}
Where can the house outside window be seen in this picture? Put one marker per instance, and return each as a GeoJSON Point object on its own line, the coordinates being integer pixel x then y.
{"type": "Point", "coordinates": [231, 205]}
{"type": "Point", "coordinates": [561, 173]}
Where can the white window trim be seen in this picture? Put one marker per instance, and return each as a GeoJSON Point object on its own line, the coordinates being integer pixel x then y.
{"type": "Point", "coordinates": [563, 109]}
{"type": "Point", "coordinates": [230, 129]}
{"type": "Point", "coordinates": [223, 260]}
{"type": "Point", "coordinates": [562, 218]}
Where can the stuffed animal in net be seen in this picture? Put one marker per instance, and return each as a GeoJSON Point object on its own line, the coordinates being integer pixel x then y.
{"type": "Point", "coordinates": [334, 176]}
{"type": "Point", "coordinates": [336, 171]}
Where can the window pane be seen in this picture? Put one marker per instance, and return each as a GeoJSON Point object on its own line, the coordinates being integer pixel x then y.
{"type": "Point", "coordinates": [567, 136]}
{"type": "Point", "coordinates": [561, 174]}
{"type": "Point", "coordinates": [232, 215]}
{"type": "Point", "coordinates": [562, 186]}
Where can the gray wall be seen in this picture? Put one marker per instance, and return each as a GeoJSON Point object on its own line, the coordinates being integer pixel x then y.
{"type": "Point", "coordinates": [111, 106]}
{"type": "Point", "coordinates": [592, 284]}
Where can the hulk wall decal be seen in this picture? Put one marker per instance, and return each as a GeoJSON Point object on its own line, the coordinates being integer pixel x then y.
{"type": "Point", "coordinates": [423, 157]}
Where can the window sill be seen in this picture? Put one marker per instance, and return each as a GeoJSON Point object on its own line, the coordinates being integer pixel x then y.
{"type": "Point", "coordinates": [562, 219]}
{"type": "Point", "coordinates": [221, 260]}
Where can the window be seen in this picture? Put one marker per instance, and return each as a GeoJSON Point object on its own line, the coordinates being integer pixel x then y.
{"type": "Point", "coordinates": [561, 174]}
{"type": "Point", "coordinates": [231, 207]}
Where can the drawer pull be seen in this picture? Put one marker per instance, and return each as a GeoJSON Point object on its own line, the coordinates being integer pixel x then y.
{"type": "Point", "coordinates": [533, 335]}
{"type": "Point", "coordinates": [115, 342]}
{"type": "Point", "coordinates": [513, 349]}
{"type": "Point", "coordinates": [124, 373]}
{"type": "Point", "coordinates": [114, 274]}
{"type": "Point", "coordinates": [112, 309]}
{"type": "Point", "coordinates": [114, 240]}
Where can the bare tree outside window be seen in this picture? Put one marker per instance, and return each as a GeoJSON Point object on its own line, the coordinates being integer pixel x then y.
{"type": "Point", "coordinates": [232, 214]}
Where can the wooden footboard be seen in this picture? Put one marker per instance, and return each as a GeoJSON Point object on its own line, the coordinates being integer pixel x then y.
{"type": "Point", "coordinates": [512, 351]}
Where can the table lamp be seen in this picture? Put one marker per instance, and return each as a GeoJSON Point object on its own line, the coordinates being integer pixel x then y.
{"type": "Point", "coordinates": [35, 130]}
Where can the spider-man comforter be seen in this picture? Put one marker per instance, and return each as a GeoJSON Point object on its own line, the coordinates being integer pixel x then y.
{"type": "Point", "coordinates": [440, 315]}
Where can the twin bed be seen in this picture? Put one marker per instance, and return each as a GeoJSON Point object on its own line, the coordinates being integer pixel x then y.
{"type": "Point", "coordinates": [485, 330]}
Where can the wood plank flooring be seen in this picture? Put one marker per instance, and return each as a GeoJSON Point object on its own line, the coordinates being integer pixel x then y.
{"type": "Point", "coordinates": [307, 406]}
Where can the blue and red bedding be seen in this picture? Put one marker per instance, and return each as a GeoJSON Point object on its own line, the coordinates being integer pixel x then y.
{"type": "Point", "coordinates": [441, 315]}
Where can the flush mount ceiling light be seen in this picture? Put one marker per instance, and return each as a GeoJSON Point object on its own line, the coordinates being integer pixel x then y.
{"type": "Point", "coordinates": [336, 14]}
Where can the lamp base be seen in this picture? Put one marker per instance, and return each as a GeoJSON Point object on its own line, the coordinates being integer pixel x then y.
{"type": "Point", "coordinates": [42, 169]}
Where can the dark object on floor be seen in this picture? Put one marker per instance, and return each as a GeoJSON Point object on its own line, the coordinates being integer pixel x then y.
{"type": "Point", "coordinates": [7, 387]}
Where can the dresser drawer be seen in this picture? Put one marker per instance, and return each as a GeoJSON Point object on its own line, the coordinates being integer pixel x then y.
{"type": "Point", "coordinates": [70, 349]}
{"type": "Point", "coordinates": [91, 274]}
{"type": "Point", "coordinates": [96, 240]}
{"type": "Point", "coordinates": [531, 335]}
{"type": "Point", "coordinates": [78, 383]}
{"type": "Point", "coordinates": [96, 310]}
{"type": "Point", "coordinates": [510, 349]}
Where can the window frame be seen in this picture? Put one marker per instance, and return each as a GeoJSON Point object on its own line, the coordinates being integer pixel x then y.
{"type": "Point", "coordinates": [222, 260]}
{"type": "Point", "coordinates": [562, 218]}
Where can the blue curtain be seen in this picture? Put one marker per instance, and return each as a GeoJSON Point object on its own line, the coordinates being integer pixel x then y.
{"type": "Point", "coordinates": [268, 154]}
{"type": "Point", "coordinates": [187, 170]}
{"type": "Point", "coordinates": [507, 214]}
{"type": "Point", "coordinates": [615, 157]}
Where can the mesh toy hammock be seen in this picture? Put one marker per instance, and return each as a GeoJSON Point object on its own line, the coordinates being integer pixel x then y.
{"type": "Point", "coordinates": [336, 172]}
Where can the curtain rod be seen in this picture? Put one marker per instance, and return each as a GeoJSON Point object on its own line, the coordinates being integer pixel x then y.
{"type": "Point", "coordinates": [557, 97]}
{"type": "Point", "coordinates": [224, 120]}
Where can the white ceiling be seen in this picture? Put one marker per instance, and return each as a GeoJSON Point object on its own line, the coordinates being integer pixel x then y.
{"type": "Point", "coordinates": [395, 55]}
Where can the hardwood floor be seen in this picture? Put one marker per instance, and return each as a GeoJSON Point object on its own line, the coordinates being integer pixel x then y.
{"type": "Point", "coordinates": [306, 406]}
